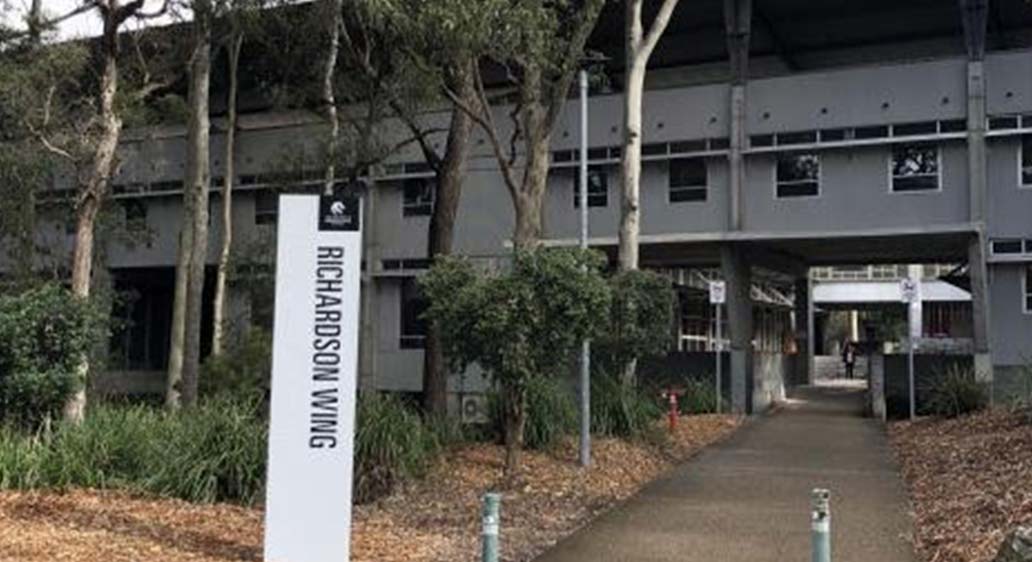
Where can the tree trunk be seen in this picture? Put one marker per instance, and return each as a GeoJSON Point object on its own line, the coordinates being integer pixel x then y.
{"type": "Point", "coordinates": [198, 177]}
{"type": "Point", "coordinates": [219, 328]}
{"type": "Point", "coordinates": [329, 97]}
{"type": "Point", "coordinates": [450, 176]}
{"type": "Point", "coordinates": [92, 196]}
{"type": "Point", "coordinates": [630, 167]}
{"type": "Point", "coordinates": [529, 201]}
{"type": "Point", "coordinates": [174, 378]}
{"type": "Point", "coordinates": [515, 409]}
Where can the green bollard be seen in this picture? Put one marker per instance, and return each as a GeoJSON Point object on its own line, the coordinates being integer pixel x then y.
{"type": "Point", "coordinates": [491, 522]}
{"type": "Point", "coordinates": [820, 525]}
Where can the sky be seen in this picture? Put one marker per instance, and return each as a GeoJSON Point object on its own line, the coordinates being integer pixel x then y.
{"type": "Point", "coordinates": [12, 12]}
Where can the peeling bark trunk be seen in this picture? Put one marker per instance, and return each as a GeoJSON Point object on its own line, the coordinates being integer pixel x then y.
{"type": "Point", "coordinates": [219, 328]}
{"type": "Point", "coordinates": [92, 196]}
{"type": "Point", "coordinates": [515, 406]}
{"type": "Point", "coordinates": [630, 166]}
{"type": "Point", "coordinates": [329, 97]}
{"type": "Point", "coordinates": [450, 176]}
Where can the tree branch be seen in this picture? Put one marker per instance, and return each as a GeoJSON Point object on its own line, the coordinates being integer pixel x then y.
{"type": "Point", "coordinates": [659, 25]}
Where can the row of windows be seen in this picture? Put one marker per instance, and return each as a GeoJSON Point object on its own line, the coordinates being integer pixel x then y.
{"type": "Point", "coordinates": [913, 167]}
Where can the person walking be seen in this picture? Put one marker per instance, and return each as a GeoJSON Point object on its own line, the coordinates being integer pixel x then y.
{"type": "Point", "coordinates": [849, 357]}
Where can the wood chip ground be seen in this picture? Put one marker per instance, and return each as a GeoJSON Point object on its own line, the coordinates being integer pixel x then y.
{"type": "Point", "coordinates": [970, 482]}
{"type": "Point", "coordinates": [436, 519]}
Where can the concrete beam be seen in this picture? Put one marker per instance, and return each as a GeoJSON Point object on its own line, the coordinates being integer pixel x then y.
{"type": "Point", "coordinates": [776, 260]}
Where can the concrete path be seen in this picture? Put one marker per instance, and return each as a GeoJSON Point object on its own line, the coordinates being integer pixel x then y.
{"type": "Point", "coordinates": [747, 499]}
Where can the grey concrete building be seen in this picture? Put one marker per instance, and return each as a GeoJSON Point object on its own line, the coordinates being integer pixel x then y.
{"type": "Point", "coordinates": [780, 135]}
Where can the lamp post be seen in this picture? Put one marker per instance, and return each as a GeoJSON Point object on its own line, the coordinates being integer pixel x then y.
{"type": "Point", "coordinates": [585, 359]}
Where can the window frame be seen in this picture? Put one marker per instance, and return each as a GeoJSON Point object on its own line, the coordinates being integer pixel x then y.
{"type": "Point", "coordinates": [139, 223]}
{"type": "Point", "coordinates": [266, 217]}
{"type": "Point", "coordinates": [704, 188]}
{"type": "Point", "coordinates": [1026, 290]}
{"type": "Point", "coordinates": [777, 183]}
{"type": "Point", "coordinates": [407, 340]}
{"type": "Point", "coordinates": [576, 182]}
{"type": "Point", "coordinates": [938, 168]}
{"type": "Point", "coordinates": [1021, 161]}
{"type": "Point", "coordinates": [420, 208]}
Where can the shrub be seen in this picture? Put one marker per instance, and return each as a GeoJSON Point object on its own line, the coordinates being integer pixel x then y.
{"type": "Point", "coordinates": [551, 413]}
{"type": "Point", "coordinates": [699, 398]}
{"type": "Point", "coordinates": [46, 333]}
{"type": "Point", "coordinates": [622, 410]}
{"type": "Point", "coordinates": [640, 319]}
{"type": "Point", "coordinates": [244, 369]}
{"type": "Point", "coordinates": [955, 393]}
{"type": "Point", "coordinates": [392, 444]}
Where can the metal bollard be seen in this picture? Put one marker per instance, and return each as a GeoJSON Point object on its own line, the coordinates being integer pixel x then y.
{"type": "Point", "coordinates": [491, 521]}
{"type": "Point", "coordinates": [820, 525]}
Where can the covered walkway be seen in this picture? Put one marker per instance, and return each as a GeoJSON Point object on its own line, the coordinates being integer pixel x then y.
{"type": "Point", "coordinates": [747, 499]}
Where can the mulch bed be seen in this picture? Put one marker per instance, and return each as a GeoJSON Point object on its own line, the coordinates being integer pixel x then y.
{"type": "Point", "coordinates": [970, 482]}
{"type": "Point", "coordinates": [436, 519]}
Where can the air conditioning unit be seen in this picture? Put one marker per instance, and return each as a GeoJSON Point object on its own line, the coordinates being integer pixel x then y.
{"type": "Point", "coordinates": [474, 408]}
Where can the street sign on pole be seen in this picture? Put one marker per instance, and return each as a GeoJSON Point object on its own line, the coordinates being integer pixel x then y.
{"type": "Point", "coordinates": [717, 297]}
{"type": "Point", "coordinates": [314, 368]}
{"type": "Point", "coordinates": [910, 292]}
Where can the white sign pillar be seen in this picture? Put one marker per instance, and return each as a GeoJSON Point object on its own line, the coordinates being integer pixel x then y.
{"type": "Point", "coordinates": [717, 297]}
{"type": "Point", "coordinates": [314, 379]}
{"type": "Point", "coordinates": [910, 292]}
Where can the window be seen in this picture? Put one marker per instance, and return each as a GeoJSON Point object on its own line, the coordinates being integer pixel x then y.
{"type": "Point", "coordinates": [915, 167]}
{"type": "Point", "coordinates": [413, 325]}
{"type": "Point", "coordinates": [598, 188]}
{"type": "Point", "coordinates": [687, 180]}
{"type": "Point", "coordinates": [1027, 286]}
{"type": "Point", "coordinates": [1006, 246]}
{"type": "Point", "coordinates": [1026, 161]}
{"type": "Point", "coordinates": [135, 215]}
{"type": "Point", "coordinates": [798, 175]}
{"type": "Point", "coordinates": [418, 197]}
{"type": "Point", "coordinates": [266, 207]}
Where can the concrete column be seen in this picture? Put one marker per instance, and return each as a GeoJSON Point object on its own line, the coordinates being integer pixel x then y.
{"type": "Point", "coordinates": [803, 330]}
{"type": "Point", "coordinates": [738, 276]}
{"type": "Point", "coordinates": [979, 272]}
{"type": "Point", "coordinates": [976, 142]}
{"type": "Point", "coordinates": [738, 26]}
{"type": "Point", "coordinates": [367, 347]}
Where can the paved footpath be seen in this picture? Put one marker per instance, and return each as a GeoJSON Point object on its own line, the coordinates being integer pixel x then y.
{"type": "Point", "coordinates": [747, 499]}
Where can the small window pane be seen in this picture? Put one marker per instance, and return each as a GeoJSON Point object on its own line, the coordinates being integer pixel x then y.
{"type": "Point", "coordinates": [265, 207]}
{"type": "Point", "coordinates": [413, 325]}
{"type": "Point", "coordinates": [598, 187]}
{"type": "Point", "coordinates": [798, 175]}
{"type": "Point", "coordinates": [1007, 246]}
{"type": "Point", "coordinates": [687, 180]}
{"type": "Point", "coordinates": [418, 197]}
{"type": "Point", "coordinates": [1028, 288]}
{"type": "Point", "coordinates": [135, 216]}
{"type": "Point", "coordinates": [1026, 160]}
{"type": "Point", "coordinates": [915, 167]}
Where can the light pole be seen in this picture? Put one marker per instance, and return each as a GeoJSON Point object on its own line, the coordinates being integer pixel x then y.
{"type": "Point", "coordinates": [585, 359]}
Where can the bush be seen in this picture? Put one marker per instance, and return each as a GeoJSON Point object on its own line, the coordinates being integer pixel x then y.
{"type": "Point", "coordinates": [622, 410]}
{"type": "Point", "coordinates": [212, 452]}
{"type": "Point", "coordinates": [956, 393]}
{"type": "Point", "coordinates": [699, 398]}
{"type": "Point", "coordinates": [551, 413]}
{"type": "Point", "coordinates": [46, 333]}
{"type": "Point", "coordinates": [640, 319]}
{"type": "Point", "coordinates": [244, 369]}
{"type": "Point", "coordinates": [392, 444]}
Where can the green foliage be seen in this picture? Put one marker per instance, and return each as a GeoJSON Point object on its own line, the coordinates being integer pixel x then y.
{"type": "Point", "coordinates": [244, 369]}
{"type": "Point", "coordinates": [392, 444]}
{"type": "Point", "coordinates": [46, 333]}
{"type": "Point", "coordinates": [699, 398]}
{"type": "Point", "coordinates": [213, 452]}
{"type": "Point", "coordinates": [641, 318]}
{"type": "Point", "coordinates": [621, 410]}
{"type": "Point", "coordinates": [551, 413]}
{"type": "Point", "coordinates": [955, 393]}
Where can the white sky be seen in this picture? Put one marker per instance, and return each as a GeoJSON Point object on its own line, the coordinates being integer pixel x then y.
{"type": "Point", "coordinates": [13, 12]}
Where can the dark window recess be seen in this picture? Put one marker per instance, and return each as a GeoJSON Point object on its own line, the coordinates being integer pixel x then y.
{"type": "Point", "coordinates": [798, 175]}
{"type": "Point", "coordinates": [687, 180]}
{"type": "Point", "coordinates": [921, 128]}
{"type": "Point", "coordinates": [413, 325]}
{"type": "Point", "coordinates": [761, 140]}
{"type": "Point", "coordinates": [1008, 122]}
{"type": "Point", "coordinates": [135, 215]}
{"type": "Point", "coordinates": [1028, 245]}
{"type": "Point", "coordinates": [653, 148]}
{"type": "Point", "coordinates": [915, 167]}
{"type": "Point", "coordinates": [393, 169]}
{"type": "Point", "coordinates": [872, 132]}
{"type": "Point", "coordinates": [614, 152]}
{"type": "Point", "coordinates": [391, 265]}
{"type": "Point", "coordinates": [1026, 160]}
{"type": "Point", "coordinates": [217, 182]}
{"type": "Point", "coordinates": [1026, 121]}
{"type": "Point", "coordinates": [1028, 288]}
{"type": "Point", "coordinates": [721, 143]}
{"type": "Point", "coordinates": [953, 126]}
{"type": "Point", "coordinates": [418, 168]}
{"type": "Point", "coordinates": [833, 135]}
{"type": "Point", "coordinates": [1005, 247]}
{"type": "Point", "coordinates": [416, 263]}
{"type": "Point", "coordinates": [175, 185]}
{"type": "Point", "coordinates": [266, 207]}
{"type": "Point", "coordinates": [563, 156]}
{"type": "Point", "coordinates": [418, 197]}
{"type": "Point", "coordinates": [248, 179]}
{"type": "Point", "coordinates": [801, 137]}
{"type": "Point", "coordinates": [598, 188]}
{"type": "Point", "coordinates": [598, 153]}
{"type": "Point", "coordinates": [686, 147]}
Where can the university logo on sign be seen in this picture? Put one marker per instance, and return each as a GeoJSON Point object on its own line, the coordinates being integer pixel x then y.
{"type": "Point", "coordinates": [338, 213]}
